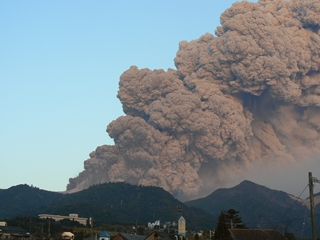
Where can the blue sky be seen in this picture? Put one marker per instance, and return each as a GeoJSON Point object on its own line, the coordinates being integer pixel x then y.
{"type": "Point", "coordinates": [60, 66]}
{"type": "Point", "coordinates": [61, 62]}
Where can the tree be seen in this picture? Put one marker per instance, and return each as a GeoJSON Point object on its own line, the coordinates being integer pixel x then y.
{"type": "Point", "coordinates": [289, 236]}
{"type": "Point", "coordinates": [196, 236]}
{"type": "Point", "coordinates": [233, 220]}
{"type": "Point", "coordinates": [222, 232]}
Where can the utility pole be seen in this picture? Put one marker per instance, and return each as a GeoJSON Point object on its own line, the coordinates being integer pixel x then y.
{"type": "Point", "coordinates": [91, 225]}
{"type": "Point", "coordinates": [312, 180]}
{"type": "Point", "coordinates": [30, 225]}
{"type": "Point", "coordinates": [49, 230]}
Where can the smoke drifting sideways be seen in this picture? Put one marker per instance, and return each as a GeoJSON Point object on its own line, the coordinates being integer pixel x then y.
{"type": "Point", "coordinates": [249, 94]}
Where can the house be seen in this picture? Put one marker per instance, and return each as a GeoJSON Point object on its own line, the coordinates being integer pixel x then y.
{"type": "Point", "coordinates": [128, 236]}
{"type": "Point", "coordinates": [162, 236]}
{"type": "Point", "coordinates": [104, 235]}
{"type": "Point", "coordinates": [13, 233]}
{"type": "Point", "coordinates": [256, 234]}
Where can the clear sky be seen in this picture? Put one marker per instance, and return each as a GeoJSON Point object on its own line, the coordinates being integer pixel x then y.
{"type": "Point", "coordinates": [60, 67]}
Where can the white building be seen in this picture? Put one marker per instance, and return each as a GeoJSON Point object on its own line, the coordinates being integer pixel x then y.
{"type": "Point", "coordinates": [67, 236]}
{"type": "Point", "coordinates": [182, 227]}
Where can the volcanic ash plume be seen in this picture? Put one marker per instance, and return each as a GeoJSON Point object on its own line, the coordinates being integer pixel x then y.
{"type": "Point", "coordinates": [250, 94]}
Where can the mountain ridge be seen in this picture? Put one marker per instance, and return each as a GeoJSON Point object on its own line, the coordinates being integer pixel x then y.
{"type": "Point", "coordinates": [260, 207]}
{"type": "Point", "coordinates": [109, 203]}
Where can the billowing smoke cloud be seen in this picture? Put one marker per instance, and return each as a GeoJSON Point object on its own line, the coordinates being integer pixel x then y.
{"type": "Point", "coordinates": [249, 94]}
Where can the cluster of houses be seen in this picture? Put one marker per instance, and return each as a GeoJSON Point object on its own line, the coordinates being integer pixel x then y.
{"type": "Point", "coordinates": [236, 234]}
{"type": "Point", "coordinates": [16, 233]}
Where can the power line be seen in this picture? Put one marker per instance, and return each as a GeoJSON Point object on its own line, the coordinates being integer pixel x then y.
{"type": "Point", "coordinates": [293, 204]}
{"type": "Point", "coordinates": [304, 223]}
{"type": "Point", "coordinates": [275, 225]}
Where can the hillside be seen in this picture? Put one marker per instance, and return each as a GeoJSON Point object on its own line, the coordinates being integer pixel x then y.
{"type": "Point", "coordinates": [16, 200]}
{"type": "Point", "coordinates": [106, 203]}
{"type": "Point", "coordinates": [259, 206]}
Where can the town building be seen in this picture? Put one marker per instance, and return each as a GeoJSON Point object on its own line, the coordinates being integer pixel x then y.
{"type": "Point", "coordinates": [128, 236]}
{"type": "Point", "coordinates": [12, 233]}
{"type": "Point", "coordinates": [72, 217]}
{"type": "Point", "coordinates": [104, 235]}
{"type": "Point", "coordinates": [182, 227]}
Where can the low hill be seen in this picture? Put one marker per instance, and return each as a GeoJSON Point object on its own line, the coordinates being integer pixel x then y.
{"type": "Point", "coordinates": [106, 203]}
{"type": "Point", "coordinates": [16, 200]}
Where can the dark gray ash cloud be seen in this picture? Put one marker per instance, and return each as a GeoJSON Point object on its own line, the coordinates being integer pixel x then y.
{"type": "Point", "coordinates": [249, 94]}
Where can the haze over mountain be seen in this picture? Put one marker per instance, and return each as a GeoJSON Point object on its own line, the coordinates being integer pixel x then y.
{"type": "Point", "coordinates": [249, 95]}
